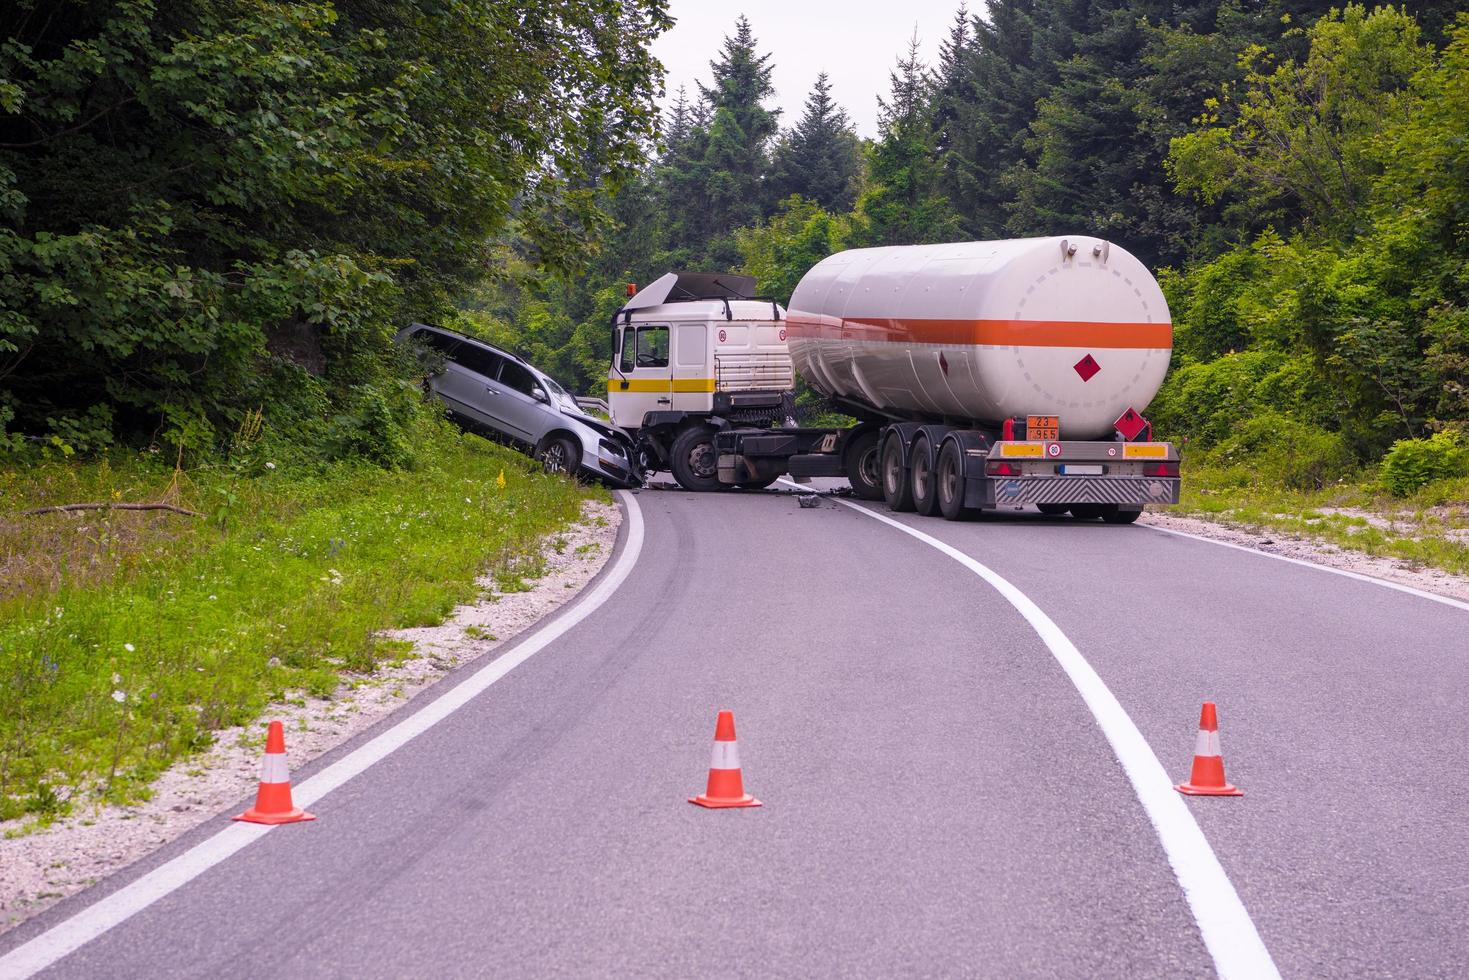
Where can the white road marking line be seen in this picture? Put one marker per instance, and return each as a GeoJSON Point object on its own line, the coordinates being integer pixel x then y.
{"type": "Point", "coordinates": [98, 918]}
{"type": "Point", "coordinates": [1457, 604]}
{"type": "Point", "coordinates": [1226, 927]}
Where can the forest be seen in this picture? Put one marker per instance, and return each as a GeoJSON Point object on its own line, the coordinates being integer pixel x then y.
{"type": "Point", "coordinates": [218, 208]}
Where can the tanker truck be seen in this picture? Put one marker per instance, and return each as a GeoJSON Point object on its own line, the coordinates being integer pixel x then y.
{"type": "Point", "coordinates": [981, 375]}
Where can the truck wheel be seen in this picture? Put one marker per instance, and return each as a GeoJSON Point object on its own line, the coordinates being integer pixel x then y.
{"type": "Point", "coordinates": [863, 471]}
{"type": "Point", "coordinates": [896, 489]}
{"type": "Point", "coordinates": [1052, 510]}
{"type": "Point", "coordinates": [1114, 515]}
{"type": "Point", "coordinates": [925, 484]}
{"type": "Point", "coordinates": [1086, 512]}
{"type": "Point", "coordinates": [758, 484]}
{"type": "Point", "coordinates": [693, 461]}
{"type": "Point", "coordinates": [949, 480]}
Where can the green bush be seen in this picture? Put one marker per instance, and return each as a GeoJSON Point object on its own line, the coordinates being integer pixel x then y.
{"type": "Point", "coordinates": [1412, 464]}
{"type": "Point", "coordinates": [1288, 453]}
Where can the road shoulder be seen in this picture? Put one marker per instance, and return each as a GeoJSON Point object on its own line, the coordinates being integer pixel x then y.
{"type": "Point", "coordinates": [1297, 548]}
{"type": "Point", "coordinates": [41, 867]}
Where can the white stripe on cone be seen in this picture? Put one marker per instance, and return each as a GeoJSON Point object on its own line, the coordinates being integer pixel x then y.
{"type": "Point", "coordinates": [1207, 744]}
{"type": "Point", "coordinates": [726, 755]}
{"type": "Point", "coordinates": [274, 770]}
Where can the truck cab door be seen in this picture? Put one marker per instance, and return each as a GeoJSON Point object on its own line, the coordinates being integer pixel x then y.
{"type": "Point", "coordinates": [693, 368]}
{"type": "Point", "coordinates": [643, 379]}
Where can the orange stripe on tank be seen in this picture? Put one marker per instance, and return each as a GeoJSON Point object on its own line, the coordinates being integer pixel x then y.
{"type": "Point", "coordinates": [990, 333]}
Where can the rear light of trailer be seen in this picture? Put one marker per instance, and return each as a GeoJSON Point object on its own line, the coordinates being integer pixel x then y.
{"type": "Point", "coordinates": [1001, 469]}
{"type": "Point", "coordinates": [1161, 469]}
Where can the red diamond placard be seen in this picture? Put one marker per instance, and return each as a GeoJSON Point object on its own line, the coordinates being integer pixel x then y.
{"type": "Point", "coordinates": [1130, 424]}
{"type": "Point", "coordinates": [1087, 367]}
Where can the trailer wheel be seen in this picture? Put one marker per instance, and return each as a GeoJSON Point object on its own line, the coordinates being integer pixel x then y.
{"type": "Point", "coordinates": [925, 484]}
{"type": "Point", "coordinates": [949, 480]}
{"type": "Point", "coordinates": [1052, 510]}
{"type": "Point", "coordinates": [1115, 515]}
{"type": "Point", "coordinates": [864, 471]}
{"type": "Point", "coordinates": [693, 460]}
{"type": "Point", "coordinates": [1086, 512]}
{"type": "Point", "coordinates": [896, 489]}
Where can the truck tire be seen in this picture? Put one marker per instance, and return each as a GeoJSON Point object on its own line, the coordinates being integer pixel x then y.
{"type": "Point", "coordinates": [1115, 515]}
{"type": "Point", "coordinates": [949, 481]}
{"type": "Point", "coordinates": [1086, 512]}
{"type": "Point", "coordinates": [862, 465]}
{"type": "Point", "coordinates": [925, 483]}
{"type": "Point", "coordinates": [1052, 510]}
{"type": "Point", "coordinates": [896, 489]}
{"type": "Point", "coordinates": [758, 484]}
{"type": "Point", "coordinates": [692, 459]}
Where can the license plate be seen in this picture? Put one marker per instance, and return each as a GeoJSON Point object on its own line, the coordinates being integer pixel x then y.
{"type": "Point", "coordinates": [1144, 450]}
{"type": "Point", "coordinates": [1043, 428]}
{"type": "Point", "coordinates": [1021, 449]}
{"type": "Point", "coordinates": [1074, 469]}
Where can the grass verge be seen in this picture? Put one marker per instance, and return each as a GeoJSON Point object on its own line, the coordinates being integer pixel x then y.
{"type": "Point", "coordinates": [128, 638]}
{"type": "Point", "coordinates": [1429, 528]}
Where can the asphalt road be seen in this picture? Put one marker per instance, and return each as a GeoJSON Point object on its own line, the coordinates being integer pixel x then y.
{"type": "Point", "coordinates": [939, 800]}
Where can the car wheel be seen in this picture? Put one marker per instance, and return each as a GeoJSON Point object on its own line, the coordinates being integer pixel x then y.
{"type": "Point", "coordinates": [559, 455]}
{"type": "Point", "coordinates": [693, 460]}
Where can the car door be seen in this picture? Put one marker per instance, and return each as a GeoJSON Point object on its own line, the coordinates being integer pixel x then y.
{"type": "Point", "coordinates": [462, 384]}
{"type": "Point", "coordinates": [524, 416]}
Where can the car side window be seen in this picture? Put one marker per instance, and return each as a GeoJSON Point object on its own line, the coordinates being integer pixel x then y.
{"type": "Point", "coordinates": [515, 376]}
{"type": "Point", "coordinates": [436, 341]}
{"type": "Point", "coordinates": [652, 350]}
{"type": "Point", "coordinates": [477, 359]}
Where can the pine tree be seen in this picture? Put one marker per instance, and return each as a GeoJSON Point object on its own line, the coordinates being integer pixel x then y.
{"type": "Point", "coordinates": [994, 100]}
{"type": "Point", "coordinates": [819, 159]}
{"type": "Point", "coordinates": [735, 158]}
{"type": "Point", "coordinates": [905, 204]}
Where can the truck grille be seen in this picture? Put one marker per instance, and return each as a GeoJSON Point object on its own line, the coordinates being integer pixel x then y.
{"type": "Point", "coordinates": [753, 372]}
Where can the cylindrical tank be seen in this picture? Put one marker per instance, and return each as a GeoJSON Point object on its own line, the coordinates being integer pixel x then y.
{"type": "Point", "coordinates": [1073, 327]}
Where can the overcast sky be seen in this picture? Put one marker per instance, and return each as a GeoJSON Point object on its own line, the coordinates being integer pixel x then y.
{"type": "Point", "coordinates": [856, 42]}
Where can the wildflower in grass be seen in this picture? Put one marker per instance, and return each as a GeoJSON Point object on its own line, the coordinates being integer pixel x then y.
{"type": "Point", "coordinates": [116, 679]}
{"type": "Point", "coordinates": [128, 647]}
{"type": "Point", "coordinates": [270, 466]}
{"type": "Point", "coordinates": [500, 481]}
{"type": "Point", "coordinates": [119, 696]}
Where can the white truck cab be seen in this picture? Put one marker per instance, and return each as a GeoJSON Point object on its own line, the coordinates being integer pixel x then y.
{"type": "Point", "coordinates": [691, 353]}
{"type": "Point", "coordinates": [691, 343]}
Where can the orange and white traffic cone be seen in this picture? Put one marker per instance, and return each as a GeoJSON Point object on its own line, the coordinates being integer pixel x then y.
{"type": "Point", "coordinates": [726, 787]}
{"type": "Point", "coordinates": [273, 799]}
{"type": "Point", "coordinates": [1207, 778]}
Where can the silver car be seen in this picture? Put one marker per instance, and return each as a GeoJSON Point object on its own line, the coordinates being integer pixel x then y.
{"type": "Point", "coordinates": [491, 391]}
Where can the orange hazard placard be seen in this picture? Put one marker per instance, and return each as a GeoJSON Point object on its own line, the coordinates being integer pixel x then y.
{"type": "Point", "coordinates": [1043, 428]}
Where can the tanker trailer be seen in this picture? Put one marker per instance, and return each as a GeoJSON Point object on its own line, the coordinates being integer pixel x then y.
{"type": "Point", "coordinates": [983, 375]}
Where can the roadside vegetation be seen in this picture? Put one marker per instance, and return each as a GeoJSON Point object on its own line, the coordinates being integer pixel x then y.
{"type": "Point", "coordinates": [128, 637]}
{"type": "Point", "coordinates": [1428, 527]}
